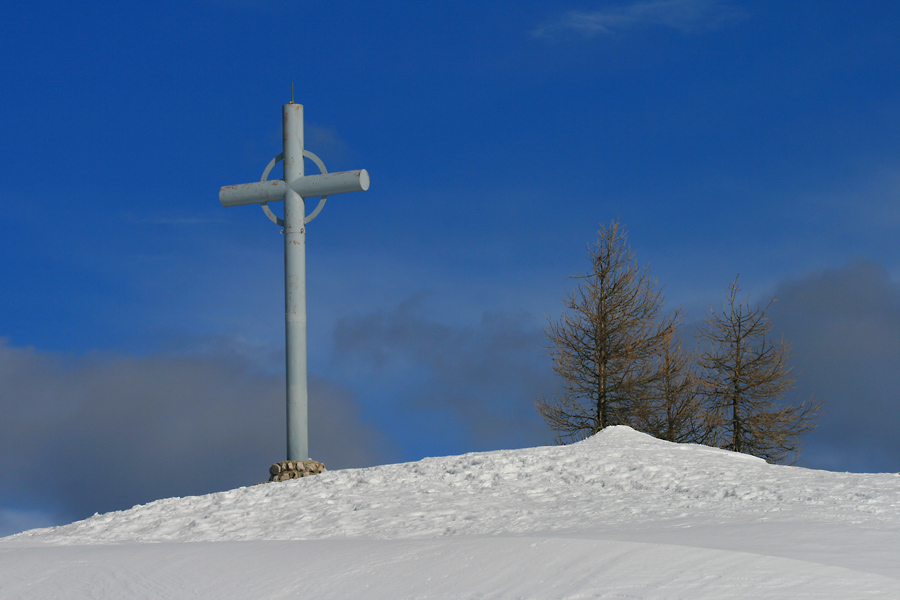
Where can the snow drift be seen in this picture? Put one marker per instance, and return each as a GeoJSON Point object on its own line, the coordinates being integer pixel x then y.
{"type": "Point", "coordinates": [618, 513]}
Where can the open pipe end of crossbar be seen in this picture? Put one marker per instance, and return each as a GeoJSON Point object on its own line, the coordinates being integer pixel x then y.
{"type": "Point", "coordinates": [312, 185]}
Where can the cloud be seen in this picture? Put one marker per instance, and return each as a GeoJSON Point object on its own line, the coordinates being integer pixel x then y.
{"type": "Point", "coordinates": [14, 520]}
{"type": "Point", "coordinates": [843, 325]}
{"type": "Point", "coordinates": [176, 221]}
{"type": "Point", "coordinates": [484, 377]}
{"type": "Point", "coordinates": [103, 433]}
{"type": "Point", "coordinates": [325, 143]}
{"type": "Point", "coordinates": [687, 16]}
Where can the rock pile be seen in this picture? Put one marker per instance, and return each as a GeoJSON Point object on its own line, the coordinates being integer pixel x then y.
{"type": "Point", "coordinates": [294, 469]}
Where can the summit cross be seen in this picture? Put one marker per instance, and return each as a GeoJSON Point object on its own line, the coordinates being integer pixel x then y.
{"type": "Point", "coordinates": [293, 190]}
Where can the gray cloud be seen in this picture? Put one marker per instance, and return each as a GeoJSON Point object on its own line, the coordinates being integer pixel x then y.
{"type": "Point", "coordinates": [486, 377]}
{"type": "Point", "coordinates": [844, 325]}
{"type": "Point", "coordinates": [683, 15]}
{"type": "Point", "coordinates": [102, 433]}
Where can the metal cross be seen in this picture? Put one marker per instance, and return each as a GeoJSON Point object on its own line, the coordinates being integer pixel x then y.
{"type": "Point", "coordinates": [293, 189]}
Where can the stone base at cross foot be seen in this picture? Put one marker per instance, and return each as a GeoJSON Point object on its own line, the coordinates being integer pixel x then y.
{"type": "Point", "coordinates": [294, 469]}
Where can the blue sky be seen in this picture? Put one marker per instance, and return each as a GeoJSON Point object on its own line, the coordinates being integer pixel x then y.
{"type": "Point", "coordinates": [141, 324]}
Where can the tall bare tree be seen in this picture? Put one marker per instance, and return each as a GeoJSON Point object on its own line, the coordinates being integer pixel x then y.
{"type": "Point", "coordinates": [676, 409]}
{"type": "Point", "coordinates": [745, 376]}
{"type": "Point", "coordinates": [605, 343]}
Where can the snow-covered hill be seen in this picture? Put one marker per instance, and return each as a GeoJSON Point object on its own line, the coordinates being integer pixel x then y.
{"type": "Point", "coordinates": [618, 515]}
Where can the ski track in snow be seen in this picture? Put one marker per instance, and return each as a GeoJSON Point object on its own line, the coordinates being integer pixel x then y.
{"type": "Point", "coordinates": [624, 514]}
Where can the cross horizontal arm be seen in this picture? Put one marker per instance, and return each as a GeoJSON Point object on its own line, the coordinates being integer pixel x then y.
{"type": "Point", "coordinates": [312, 185]}
{"type": "Point", "coordinates": [253, 193]}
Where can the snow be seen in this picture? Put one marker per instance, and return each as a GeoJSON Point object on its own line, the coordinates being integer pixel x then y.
{"type": "Point", "coordinates": [620, 515]}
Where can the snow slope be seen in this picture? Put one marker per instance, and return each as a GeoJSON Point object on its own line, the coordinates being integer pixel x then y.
{"type": "Point", "coordinates": [618, 515]}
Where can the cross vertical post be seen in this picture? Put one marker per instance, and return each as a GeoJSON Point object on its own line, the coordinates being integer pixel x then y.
{"type": "Point", "coordinates": [295, 286]}
{"type": "Point", "coordinates": [293, 190]}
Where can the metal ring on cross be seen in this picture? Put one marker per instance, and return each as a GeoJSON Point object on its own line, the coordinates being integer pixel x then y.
{"type": "Point", "coordinates": [319, 207]}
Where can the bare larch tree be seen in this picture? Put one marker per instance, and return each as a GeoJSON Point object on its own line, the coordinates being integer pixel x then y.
{"type": "Point", "coordinates": [604, 344]}
{"type": "Point", "coordinates": [676, 409]}
{"type": "Point", "coordinates": [745, 375]}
